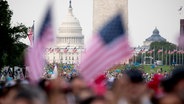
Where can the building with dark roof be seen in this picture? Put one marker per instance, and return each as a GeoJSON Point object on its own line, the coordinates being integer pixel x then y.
{"type": "Point", "coordinates": [155, 37]}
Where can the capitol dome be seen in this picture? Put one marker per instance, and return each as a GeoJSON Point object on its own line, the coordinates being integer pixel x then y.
{"type": "Point", "coordinates": [69, 41]}
{"type": "Point", "coordinates": [155, 37]}
{"type": "Point", "coordinates": [70, 31]}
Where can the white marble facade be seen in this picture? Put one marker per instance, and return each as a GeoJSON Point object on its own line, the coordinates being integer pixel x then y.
{"type": "Point", "coordinates": [69, 41]}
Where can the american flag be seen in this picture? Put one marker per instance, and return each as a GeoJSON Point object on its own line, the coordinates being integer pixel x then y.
{"type": "Point", "coordinates": [50, 50]}
{"type": "Point", "coordinates": [142, 51]}
{"type": "Point", "coordinates": [35, 56]}
{"type": "Point", "coordinates": [31, 34]}
{"type": "Point", "coordinates": [75, 50]}
{"type": "Point", "coordinates": [172, 52]}
{"type": "Point", "coordinates": [66, 50]}
{"type": "Point", "coordinates": [175, 50]}
{"type": "Point", "coordinates": [57, 50]}
{"type": "Point", "coordinates": [160, 50]}
{"type": "Point", "coordinates": [109, 46]}
{"type": "Point", "coordinates": [151, 51]}
{"type": "Point", "coordinates": [169, 52]}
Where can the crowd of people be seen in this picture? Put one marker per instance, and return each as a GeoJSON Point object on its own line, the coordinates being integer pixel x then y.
{"type": "Point", "coordinates": [125, 87]}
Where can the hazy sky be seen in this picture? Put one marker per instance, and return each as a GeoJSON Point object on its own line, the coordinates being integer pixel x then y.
{"type": "Point", "coordinates": [144, 16]}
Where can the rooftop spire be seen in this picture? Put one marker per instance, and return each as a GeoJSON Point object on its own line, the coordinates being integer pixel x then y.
{"type": "Point", "coordinates": [70, 4]}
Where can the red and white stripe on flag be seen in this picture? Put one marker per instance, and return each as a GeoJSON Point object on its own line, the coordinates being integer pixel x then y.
{"type": "Point", "coordinates": [160, 50]}
{"type": "Point", "coordinates": [35, 57]}
{"type": "Point", "coordinates": [74, 50]}
{"type": "Point", "coordinates": [99, 56]}
{"type": "Point", "coordinates": [57, 50]}
{"type": "Point", "coordinates": [65, 50]}
{"type": "Point", "coordinates": [150, 52]}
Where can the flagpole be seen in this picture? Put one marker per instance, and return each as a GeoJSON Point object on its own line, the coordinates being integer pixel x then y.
{"type": "Point", "coordinates": [162, 56]}
{"type": "Point", "coordinates": [182, 56]}
{"type": "Point", "coordinates": [179, 58]}
{"type": "Point", "coordinates": [141, 58]}
{"type": "Point", "coordinates": [150, 52]}
{"type": "Point", "coordinates": [33, 30]}
{"type": "Point", "coordinates": [166, 58]}
{"type": "Point", "coordinates": [169, 57]}
{"type": "Point", "coordinates": [173, 57]}
{"type": "Point", "coordinates": [176, 56]}
{"type": "Point", "coordinates": [153, 55]}
{"type": "Point", "coordinates": [157, 55]}
{"type": "Point", "coordinates": [135, 57]}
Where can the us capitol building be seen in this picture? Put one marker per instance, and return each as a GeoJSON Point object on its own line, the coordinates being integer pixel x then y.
{"type": "Point", "coordinates": [69, 41]}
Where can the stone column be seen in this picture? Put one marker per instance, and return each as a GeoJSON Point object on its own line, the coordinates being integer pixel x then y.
{"type": "Point", "coordinates": [104, 9]}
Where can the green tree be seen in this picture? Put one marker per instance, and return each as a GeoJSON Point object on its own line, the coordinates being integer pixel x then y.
{"type": "Point", "coordinates": [11, 49]}
{"type": "Point", "coordinates": [164, 56]}
{"type": "Point", "coordinates": [162, 45]}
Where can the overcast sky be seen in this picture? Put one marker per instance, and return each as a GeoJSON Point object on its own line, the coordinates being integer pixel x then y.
{"type": "Point", "coordinates": [144, 16]}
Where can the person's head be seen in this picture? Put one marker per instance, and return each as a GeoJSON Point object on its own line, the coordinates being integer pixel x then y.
{"type": "Point", "coordinates": [99, 100]}
{"type": "Point", "coordinates": [94, 100]}
{"type": "Point", "coordinates": [9, 92]}
{"type": "Point", "coordinates": [77, 84]}
{"type": "Point", "coordinates": [30, 95]}
{"type": "Point", "coordinates": [135, 86]}
{"type": "Point", "coordinates": [167, 85]}
{"type": "Point", "coordinates": [174, 83]}
{"type": "Point", "coordinates": [57, 98]}
{"type": "Point", "coordinates": [170, 99]}
{"type": "Point", "coordinates": [85, 94]}
{"type": "Point", "coordinates": [177, 80]}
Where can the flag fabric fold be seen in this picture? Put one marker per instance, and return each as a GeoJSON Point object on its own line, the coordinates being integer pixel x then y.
{"type": "Point", "coordinates": [57, 50]}
{"type": "Point", "coordinates": [150, 52]}
{"type": "Point", "coordinates": [35, 57]}
{"type": "Point", "coordinates": [31, 35]}
{"type": "Point", "coordinates": [65, 50]}
{"type": "Point", "coordinates": [75, 50]}
{"type": "Point", "coordinates": [108, 47]}
{"type": "Point", "coordinates": [160, 50]}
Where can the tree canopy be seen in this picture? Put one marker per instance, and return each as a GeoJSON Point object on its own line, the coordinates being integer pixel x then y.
{"type": "Point", "coordinates": [11, 49]}
{"type": "Point", "coordinates": [162, 45]}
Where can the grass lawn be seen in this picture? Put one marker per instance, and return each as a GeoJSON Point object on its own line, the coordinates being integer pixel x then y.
{"type": "Point", "coordinates": [148, 69]}
{"type": "Point", "coordinates": [145, 68]}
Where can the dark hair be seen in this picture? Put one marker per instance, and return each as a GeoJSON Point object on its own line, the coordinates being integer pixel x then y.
{"type": "Point", "coordinates": [167, 85]}
{"type": "Point", "coordinates": [92, 99]}
{"type": "Point", "coordinates": [176, 75]}
{"type": "Point", "coordinates": [134, 75]}
{"type": "Point", "coordinates": [30, 94]}
{"type": "Point", "coordinates": [74, 77]}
